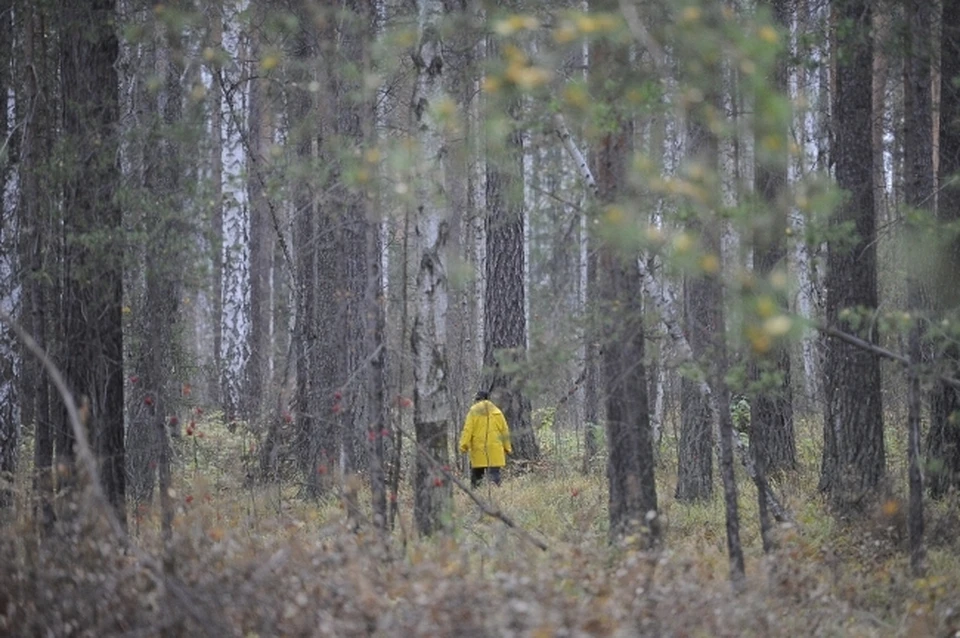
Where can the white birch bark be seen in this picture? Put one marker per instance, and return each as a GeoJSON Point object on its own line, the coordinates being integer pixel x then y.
{"type": "Point", "coordinates": [431, 403]}
{"type": "Point", "coordinates": [236, 255]}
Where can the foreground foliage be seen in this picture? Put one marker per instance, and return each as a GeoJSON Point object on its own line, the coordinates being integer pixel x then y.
{"type": "Point", "coordinates": [258, 561]}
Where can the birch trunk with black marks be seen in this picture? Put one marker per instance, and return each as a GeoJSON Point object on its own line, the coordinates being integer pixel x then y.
{"type": "Point", "coordinates": [428, 339]}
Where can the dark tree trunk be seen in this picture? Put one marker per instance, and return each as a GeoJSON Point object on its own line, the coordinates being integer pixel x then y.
{"type": "Point", "coordinates": [943, 438]}
{"type": "Point", "coordinates": [36, 251]}
{"type": "Point", "coordinates": [854, 455]}
{"type": "Point", "coordinates": [505, 323]}
{"type": "Point", "coordinates": [919, 194]}
{"type": "Point", "coordinates": [771, 407]}
{"type": "Point", "coordinates": [354, 115]}
{"type": "Point", "coordinates": [630, 463]}
{"type": "Point", "coordinates": [93, 353]}
{"type": "Point", "coordinates": [702, 301]}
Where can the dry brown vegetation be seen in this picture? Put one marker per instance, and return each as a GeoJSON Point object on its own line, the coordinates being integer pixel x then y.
{"type": "Point", "coordinates": [260, 562]}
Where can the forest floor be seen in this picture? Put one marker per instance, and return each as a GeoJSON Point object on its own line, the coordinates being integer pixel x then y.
{"type": "Point", "coordinates": [260, 561]}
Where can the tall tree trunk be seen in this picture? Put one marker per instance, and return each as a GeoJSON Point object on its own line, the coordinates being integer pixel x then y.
{"type": "Point", "coordinates": [354, 113]}
{"type": "Point", "coordinates": [504, 330]}
{"type": "Point", "coordinates": [771, 418]}
{"type": "Point", "coordinates": [630, 463]}
{"type": "Point", "coordinates": [943, 438]}
{"type": "Point", "coordinates": [431, 408]}
{"type": "Point", "coordinates": [703, 320]}
{"type": "Point", "coordinates": [259, 138]}
{"type": "Point", "coordinates": [10, 404]}
{"type": "Point", "coordinates": [166, 243]}
{"type": "Point", "coordinates": [854, 455]}
{"type": "Point", "coordinates": [919, 194]}
{"type": "Point", "coordinates": [36, 231]}
{"type": "Point", "coordinates": [215, 238]}
{"type": "Point", "coordinates": [93, 292]}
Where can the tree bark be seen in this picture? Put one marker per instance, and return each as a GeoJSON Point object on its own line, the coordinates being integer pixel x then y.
{"type": "Point", "coordinates": [10, 402]}
{"type": "Point", "coordinates": [259, 132]}
{"type": "Point", "coordinates": [703, 320]}
{"type": "Point", "coordinates": [37, 253]}
{"type": "Point", "coordinates": [93, 291]}
{"type": "Point", "coordinates": [854, 454]}
{"type": "Point", "coordinates": [943, 438]}
{"type": "Point", "coordinates": [919, 194]}
{"type": "Point", "coordinates": [771, 418]}
{"type": "Point", "coordinates": [432, 494]}
{"type": "Point", "coordinates": [505, 324]}
{"type": "Point", "coordinates": [630, 462]}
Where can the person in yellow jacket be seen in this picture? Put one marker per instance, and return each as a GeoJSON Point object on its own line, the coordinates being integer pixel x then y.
{"type": "Point", "coordinates": [486, 437]}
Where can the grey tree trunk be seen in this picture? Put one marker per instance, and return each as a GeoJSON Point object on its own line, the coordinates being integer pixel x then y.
{"type": "Point", "coordinates": [215, 237]}
{"type": "Point", "coordinates": [10, 423]}
{"type": "Point", "coordinates": [943, 438]}
{"type": "Point", "coordinates": [93, 295]}
{"type": "Point", "coordinates": [771, 408]}
{"type": "Point", "coordinates": [259, 136]}
{"type": "Point", "coordinates": [432, 494]}
{"type": "Point", "coordinates": [854, 454]}
{"type": "Point", "coordinates": [354, 117]}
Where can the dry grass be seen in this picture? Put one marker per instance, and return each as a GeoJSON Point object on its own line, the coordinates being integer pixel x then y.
{"type": "Point", "coordinates": [257, 561]}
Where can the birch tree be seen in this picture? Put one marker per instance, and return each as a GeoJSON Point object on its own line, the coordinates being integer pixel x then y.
{"type": "Point", "coordinates": [428, 339]}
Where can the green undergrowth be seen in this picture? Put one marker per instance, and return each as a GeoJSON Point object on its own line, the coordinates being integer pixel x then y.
{"type": "Point", "coordinates": [253, 559]}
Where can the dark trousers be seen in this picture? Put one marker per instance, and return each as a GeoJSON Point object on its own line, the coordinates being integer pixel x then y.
{"type": "Point", "coordinates": [476, 475]}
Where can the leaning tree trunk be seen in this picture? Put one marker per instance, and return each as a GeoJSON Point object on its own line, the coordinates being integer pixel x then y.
{"type": "Point", "coordinates": [93, 258]}
{"type": "Point", "coordinates": [854, 455]}
{"type": "Point", "coordinates": [431, 409]}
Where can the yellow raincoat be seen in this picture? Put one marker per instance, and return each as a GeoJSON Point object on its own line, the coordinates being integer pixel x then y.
{"type": "Point", "coordinates": [486, 436]}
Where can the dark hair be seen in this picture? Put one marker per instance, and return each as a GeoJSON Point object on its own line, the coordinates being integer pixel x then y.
{"type": "Point", "coordinates": [481, 395]}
